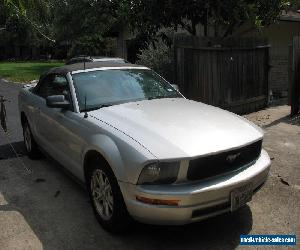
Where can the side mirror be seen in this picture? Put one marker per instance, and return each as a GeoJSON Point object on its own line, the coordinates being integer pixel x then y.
{"type": "Point", "coordinates": [57, 101]}
{"type": "Point", "coordinates": [175, 86]}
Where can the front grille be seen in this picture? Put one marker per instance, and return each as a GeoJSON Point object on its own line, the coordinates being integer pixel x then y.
{"type": "Point", "coordinates": [212, 165]}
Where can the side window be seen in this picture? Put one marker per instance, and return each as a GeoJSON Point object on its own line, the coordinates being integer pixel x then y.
{"type": "Point", "coordinates": [44, 85]}
{"type": "Point", "coordinates": [54, 85]}
{"type": "Point", "coordinates": [60, 86]}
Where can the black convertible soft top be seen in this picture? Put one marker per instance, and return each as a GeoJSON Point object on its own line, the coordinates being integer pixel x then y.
{"type": "Point", "coordinates": [63, 70]}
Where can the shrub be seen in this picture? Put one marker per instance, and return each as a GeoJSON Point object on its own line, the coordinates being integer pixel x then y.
{"type": "Point", "coordinates": [159, 57]}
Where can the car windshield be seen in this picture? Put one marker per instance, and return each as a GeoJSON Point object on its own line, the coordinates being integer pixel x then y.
{"type": "Point", "coordinates": [96, 89]}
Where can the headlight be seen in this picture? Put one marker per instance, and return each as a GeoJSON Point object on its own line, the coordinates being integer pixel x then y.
{"type": "Point", "coordinates": [159, 173]}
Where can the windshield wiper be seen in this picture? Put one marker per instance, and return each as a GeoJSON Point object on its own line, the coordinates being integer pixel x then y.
{"type": "Point", "coordinates": [156, 97]}
{"type": "Point", "coordinates": [163, 96]}
{"type": "Point", "coordinates": [98, 107]}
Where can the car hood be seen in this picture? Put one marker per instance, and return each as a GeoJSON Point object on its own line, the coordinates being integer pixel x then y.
{"type": "Point", "coordinates": [179, 128]}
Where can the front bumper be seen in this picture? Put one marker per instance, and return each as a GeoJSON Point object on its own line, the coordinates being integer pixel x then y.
{"type": "Point", "coordinates": [198, 200]}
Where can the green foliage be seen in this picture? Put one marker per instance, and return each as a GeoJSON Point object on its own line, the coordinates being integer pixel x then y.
{"type": "Point", "coordinates": [25, 22]}
{"type": "Point", "coordinates": [159, 57]}
{"type": "Point", "coordinates": [150, 16]}
{"type": "Point", "coordinates": [16, 31]}
{"type": "Point", "coordinates": [38, 10]}
{"type": "Point", "coordinates": [92, 45]}
{"type": "Point", "coordinates": [75, 26]}
{"type": "Point", "coordinates": [295, 4]}
{"type": "Point", "coordinates": [83, 26]}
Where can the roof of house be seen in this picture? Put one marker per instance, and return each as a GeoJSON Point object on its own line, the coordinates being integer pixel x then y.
{"type": "Point", "coordinates": [89, 65]}
{"type": "Point", "coordinates": [291, 15]}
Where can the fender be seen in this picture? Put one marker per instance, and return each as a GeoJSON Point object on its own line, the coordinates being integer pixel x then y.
{"type": "Point", "coordinates": [115, 151]}
{"type": "Point", "coordinates": [26, 105]}
{"type": "Point", "coordinates": [105, 146]}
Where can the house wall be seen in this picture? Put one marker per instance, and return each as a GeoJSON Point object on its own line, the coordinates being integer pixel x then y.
{"type": "Point", "coordinates": [280, 37]}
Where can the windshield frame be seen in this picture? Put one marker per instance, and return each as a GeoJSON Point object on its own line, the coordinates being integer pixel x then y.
{"type": "Point", "coordinates": [179, 95]}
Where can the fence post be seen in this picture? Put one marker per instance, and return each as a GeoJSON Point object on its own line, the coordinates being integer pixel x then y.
{"type": "Point", "coordinates": [290, 73]}
{"type": "Point", "coordinates": [268, 67]}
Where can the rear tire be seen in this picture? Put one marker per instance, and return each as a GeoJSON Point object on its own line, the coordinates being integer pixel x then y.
{"type": "Point", "coordinates": [31, 146]}
{"type": "Point", "coordinates": [106, 198]}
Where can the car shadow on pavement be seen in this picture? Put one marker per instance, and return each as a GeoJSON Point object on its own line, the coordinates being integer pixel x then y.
{"type": "Point", "coordinates": [286, 119]}
{"type": "Point", "coordinates": [58, 212]}
{"type": "Point", "coordinates": [222, 231]}
{"type": "Point", "coordinates": [13, 150]}
{"type": "Point", "coordinates": [295, 120]}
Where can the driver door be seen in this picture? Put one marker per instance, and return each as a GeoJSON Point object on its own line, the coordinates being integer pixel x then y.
{"type": "Point", "coordinates": [56, 125]}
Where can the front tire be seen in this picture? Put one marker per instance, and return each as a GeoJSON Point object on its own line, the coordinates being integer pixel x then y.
{"type": "Point", "coordinates": [107, 199]}
{"type": "Point", "coordinates": [31, 146]}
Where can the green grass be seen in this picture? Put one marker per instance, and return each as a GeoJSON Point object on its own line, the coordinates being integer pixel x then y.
{"type": "Point", "coordinates": [25, 71]}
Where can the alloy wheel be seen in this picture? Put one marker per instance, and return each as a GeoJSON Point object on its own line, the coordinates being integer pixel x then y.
{"type": "Point", "coordinates": [102, 194]}
{"type": "Point", "coordinates": [27, 138]}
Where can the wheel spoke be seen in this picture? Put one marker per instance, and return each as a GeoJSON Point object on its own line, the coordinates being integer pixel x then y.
{"type": "Point", "coordinates": [106, 188]}
{"type": "Point", "coordinates": [27, 138]}
{"type": "Point", "coordinates": [106, 183]}
{"type": "Point", "coordinates": [102, 182]}
{"type": "Point", "coordinates": [98, 195]}
{"type": "Point", "coordinates": [97, 179]}
{"type": "Point", "coordinates": [110, 203]}
{"type": "Point", "coordinates": [106, 208]}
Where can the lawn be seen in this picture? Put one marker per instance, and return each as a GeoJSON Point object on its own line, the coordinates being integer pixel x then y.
{"type": "Point", "coordinates": [25, 71]}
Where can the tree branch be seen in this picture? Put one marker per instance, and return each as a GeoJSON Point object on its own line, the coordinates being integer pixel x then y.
{"type": "Point", "coordinates": [32, 23]}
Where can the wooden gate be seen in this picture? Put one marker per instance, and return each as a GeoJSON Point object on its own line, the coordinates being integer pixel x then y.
{"type": "Point", "coordinates": [232, 75]}
{"type": "Point", "coordinates": [294, 76]}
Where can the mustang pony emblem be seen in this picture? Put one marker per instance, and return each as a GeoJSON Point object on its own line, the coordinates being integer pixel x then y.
{"type": "Point", "coordinates": [232, 158]}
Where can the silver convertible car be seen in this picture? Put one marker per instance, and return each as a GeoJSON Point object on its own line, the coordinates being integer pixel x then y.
{"type": "Point", "coordinates": [141, 148]}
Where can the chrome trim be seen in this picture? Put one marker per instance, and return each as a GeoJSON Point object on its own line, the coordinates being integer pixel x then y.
{"type": "Point", "coordinates": [107, 68]}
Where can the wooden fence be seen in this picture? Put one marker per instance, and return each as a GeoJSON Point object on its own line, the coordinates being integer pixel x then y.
{"type": "Point", "coordinates": [294, 76]}
{"type": "Point", "coordinates": [232, 74]}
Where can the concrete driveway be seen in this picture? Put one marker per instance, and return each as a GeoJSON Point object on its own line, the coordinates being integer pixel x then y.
{"type": "Point", "coordinates": [46, 209]}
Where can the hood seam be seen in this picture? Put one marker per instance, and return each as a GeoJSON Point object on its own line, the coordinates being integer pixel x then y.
{"type": "Point", "coordinates": [125, 134]}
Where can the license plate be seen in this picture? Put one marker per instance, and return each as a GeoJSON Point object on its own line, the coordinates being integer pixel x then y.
{"type": "Point", "coordinates": [240, 196]}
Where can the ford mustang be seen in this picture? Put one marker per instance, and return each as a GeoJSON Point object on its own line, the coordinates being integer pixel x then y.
{"type": "Point", "coordinates": [142, 149]}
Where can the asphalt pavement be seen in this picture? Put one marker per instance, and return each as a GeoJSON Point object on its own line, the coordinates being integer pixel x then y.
{"type": "Point", "coordinates": [10, 92]}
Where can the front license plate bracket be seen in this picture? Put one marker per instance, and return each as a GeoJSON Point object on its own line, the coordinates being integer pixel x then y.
{"type": "Point", "coordinates": [240, 196]}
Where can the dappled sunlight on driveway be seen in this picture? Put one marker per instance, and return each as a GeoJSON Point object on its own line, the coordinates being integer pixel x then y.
{"type": "Point", "coordinates": [15, 232]}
